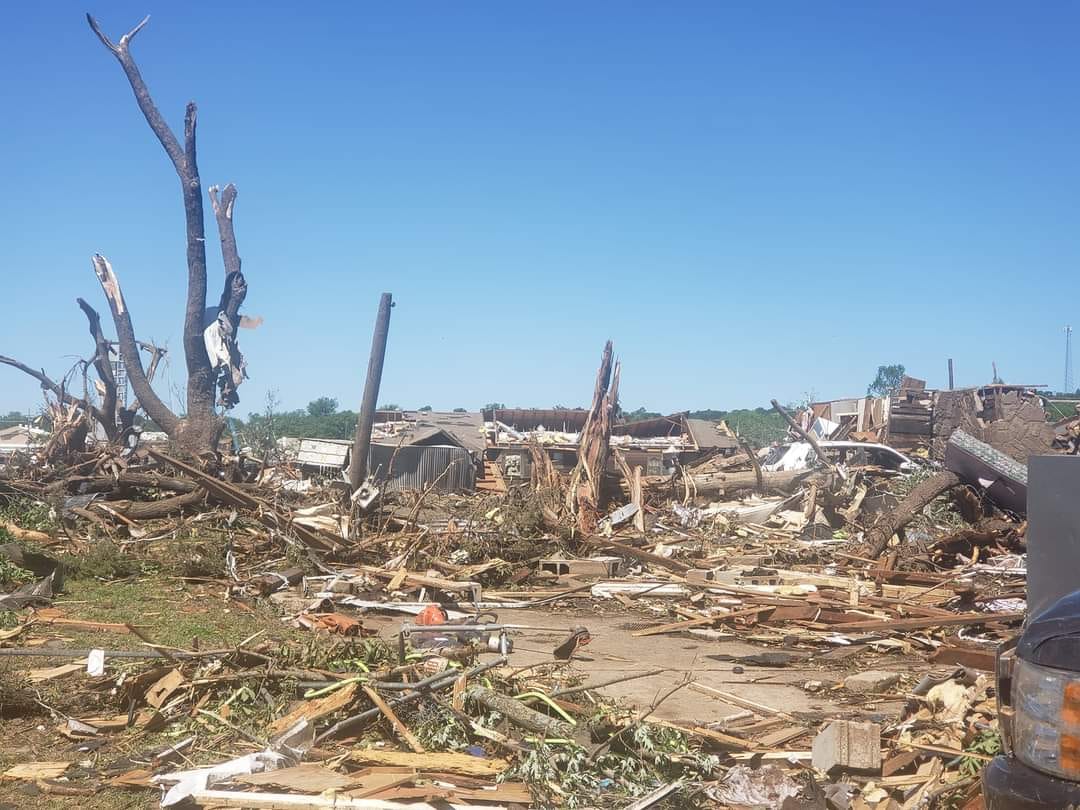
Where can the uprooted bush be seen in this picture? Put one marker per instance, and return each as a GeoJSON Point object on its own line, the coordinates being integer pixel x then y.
{"type": "Point", "coordinates": [17, 698]}
{"type": "Point", "coordinates": [103, 560]}
{"type": "Point", "coordinates": [27, 513]}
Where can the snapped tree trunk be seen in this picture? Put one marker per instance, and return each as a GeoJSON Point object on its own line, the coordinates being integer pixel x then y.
{"type": "Point", "coordinates": [890, 523]}
{"type": "Point", "coordinates": [583, 495]}
{"type": "Point", "coordinates": [729, 482]}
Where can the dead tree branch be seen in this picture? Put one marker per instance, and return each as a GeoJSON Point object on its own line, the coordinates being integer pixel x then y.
{"type": "Point", "coordinates": [235, 286]}
{"type": "Point", "coordinates": [103, 366]}
{"type": "Point", "coordinates": [48, 384]}
{"type": "Point", "coordinates": [129, 350]}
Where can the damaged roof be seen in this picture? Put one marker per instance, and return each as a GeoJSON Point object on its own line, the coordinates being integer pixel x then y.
{"type": "Point", "coordinates": [467, 429]}
{"type": "Point", "coordinates": [707, 435]}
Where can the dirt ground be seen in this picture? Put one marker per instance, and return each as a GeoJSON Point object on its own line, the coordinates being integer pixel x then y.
{"type": "Point", "coordinates": [174, 612]}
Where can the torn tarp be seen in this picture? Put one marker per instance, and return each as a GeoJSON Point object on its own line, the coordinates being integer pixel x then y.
{"type": "Point", "coordinates": [225, 358]}
{"type": "Point", "coordinates": [36, 594]}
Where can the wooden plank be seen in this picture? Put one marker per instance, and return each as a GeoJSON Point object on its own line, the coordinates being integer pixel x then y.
{"type": "Point", "coordinates": [930, 621]}
{"type": "Point", "coordinates": [675, 627]}
{"type": "Point", "coordinates": [306, 777]}
{"type": "Point", "coordinates": [432, 761]}
{"type": "Point", "coordinates": [726, 741]}
{"type": "Point", "coordinates": [316, 709]}
{"type": "Point", "coordinates": [781, 736]}
{"type": "Point", "coordinates": [35, 770]}
{"type": "Point", "coordinates": [985, 660]}
{"type": "Point", "coordinates": [294, 801]}
{"type": "Point", "coordinates": [742, 703]}
{"type": "Point", "coordinates": [401, 729]}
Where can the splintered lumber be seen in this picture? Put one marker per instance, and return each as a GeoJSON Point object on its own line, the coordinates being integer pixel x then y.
{"type": "Point", "coordinates": [890, 523]}
{"type": "Point", "coordinates": [583, 494]}
{"type": "Point", "coordinates": [296, 801]}
{"type": "Point", "coordinates": [706, 483]}
{"type": "Point", "coordinates": [742, 703]}
{"type": "Point", "coordinates": [35, 770]}
{"type": "Point", "coordinates": [718, 737]}
{"type": "Point", "coordinates": [316, 709]}
{"type": "Point", "coordinates": [519, 714]}
{"type": "Point", "coordinates": [462, 764]}
{"type": "Point", "coordinates": [922, 623]}
{"type": "Point", "coordinates": [308, 776]}
{"type": "Point", "coordinates": [399, 727]}
{"type": "Point", "coordinates": [46, 616]}
{"type": "Point", "coordinates": [27, 535]}
{"type": "Point", "coordinates": [675, 627]}
{"type": "Point", "coordinates": [267, 514]}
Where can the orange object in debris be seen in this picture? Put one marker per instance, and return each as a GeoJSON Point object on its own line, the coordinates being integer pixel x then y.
{"type": "Point", "coordinates": [335, 623]}
{"type": "Point", "coordinates": [432, 614]}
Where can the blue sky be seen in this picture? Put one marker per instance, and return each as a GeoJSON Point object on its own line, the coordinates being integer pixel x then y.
{"type": "Point", "coordinates": [752, 200]}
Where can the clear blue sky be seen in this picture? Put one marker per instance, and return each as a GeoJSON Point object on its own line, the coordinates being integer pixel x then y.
{"type": "Point", "coordinates": [752, 200]}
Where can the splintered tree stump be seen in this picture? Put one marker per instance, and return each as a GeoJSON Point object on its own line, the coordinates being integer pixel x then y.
{"type": "Point", "coordinates": [583, 494]}
{"type": "Point", "coordinates": [890, 523]}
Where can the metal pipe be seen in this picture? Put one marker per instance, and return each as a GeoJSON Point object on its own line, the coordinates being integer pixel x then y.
{"type": "Point", "coordinates": [52, 652]}
{"type": "Point", "coordinates": [362, 442]}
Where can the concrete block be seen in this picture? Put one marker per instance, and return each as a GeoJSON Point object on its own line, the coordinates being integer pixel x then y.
{"type": "Point", "coordinates": [871, 682]}
{"type": "Point", "coordinates": [844, 746]}
{"type": "Point", "coordinates": [607, 567]}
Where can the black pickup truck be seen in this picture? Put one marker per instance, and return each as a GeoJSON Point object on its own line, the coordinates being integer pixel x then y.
{"type": "Point", "coordinates": [1038, 676]}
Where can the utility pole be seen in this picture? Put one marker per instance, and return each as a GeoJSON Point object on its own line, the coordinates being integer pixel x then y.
{"type": "Point", "coordinates": [950, 374]}
{"type": "Point", "coordinates": [1068, 361]}
{"type": "Point", "coordinates": [362, 442]}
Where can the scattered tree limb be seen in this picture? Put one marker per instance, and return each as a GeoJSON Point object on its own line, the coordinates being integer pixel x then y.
{"type": "Point", "coordinates": [46, 382]}
{"type": "Point", "coordinates": [890, 523]}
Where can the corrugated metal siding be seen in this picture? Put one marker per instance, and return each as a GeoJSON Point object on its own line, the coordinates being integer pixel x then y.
{"type": "Point", "coordinates": [417, 467]}
{"type": "Point", "coordinates": [322, 453]}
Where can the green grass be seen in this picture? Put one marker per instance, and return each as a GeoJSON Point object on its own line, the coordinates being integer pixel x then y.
{"type": "Point", "coordinates": [170, 612]}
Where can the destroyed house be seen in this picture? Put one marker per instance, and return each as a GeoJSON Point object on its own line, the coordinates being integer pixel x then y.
{"type": "Point", "coordinates": [858, 418]}
{"type": "Point", "coordinates": [916, 418]}
{"type": "Point", "coordinates": [405, 454]}
{"type": "Point", "coordinates": [20, 439]}
{"type": "Point", "coordinates": [653, 444]}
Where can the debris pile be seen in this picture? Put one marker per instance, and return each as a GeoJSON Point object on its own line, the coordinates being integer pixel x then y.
{"type": "Point", "coordinates": [821, 619]}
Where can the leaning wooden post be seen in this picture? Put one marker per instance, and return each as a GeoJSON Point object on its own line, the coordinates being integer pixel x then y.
{"type": "Point", "coordinates": [362, 442]}
{"type": "Point", "coordinates": [806, 435]}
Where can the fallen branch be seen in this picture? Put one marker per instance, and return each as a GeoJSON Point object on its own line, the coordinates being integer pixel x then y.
{"type": "Point", "coordinates": [888, 524]}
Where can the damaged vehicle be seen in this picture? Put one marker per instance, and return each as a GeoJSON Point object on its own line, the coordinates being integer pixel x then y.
{"type": "Point", "coordinates": [1038, 675]}
{"type": "Point", "coordinates": [800, 456]}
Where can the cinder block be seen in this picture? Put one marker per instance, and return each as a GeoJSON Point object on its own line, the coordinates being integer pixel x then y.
{"type": "Point", "coordinates": [844, 746]}
{"type": "Point", "coordinates": [607, 567]}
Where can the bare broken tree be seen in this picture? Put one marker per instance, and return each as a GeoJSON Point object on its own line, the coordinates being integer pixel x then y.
{"type": "Point", "coordinates": [212, 358]}
{"type": "Point", "coordinates": [583, 494]}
